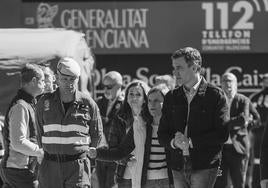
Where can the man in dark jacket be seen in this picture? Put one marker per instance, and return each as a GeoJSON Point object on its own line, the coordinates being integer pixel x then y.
{"type": "Point", "coordinates": [260, 102]}
{"type": "Point", "coordinates": [109, 106]}
{"type": "Point", "coordinates": [236, 148]}
{"type": "Point", "coordinates": [194, 123]}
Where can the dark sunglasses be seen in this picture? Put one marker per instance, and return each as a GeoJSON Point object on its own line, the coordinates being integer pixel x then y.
{"type": "Point", "coordinates": [108, 86]}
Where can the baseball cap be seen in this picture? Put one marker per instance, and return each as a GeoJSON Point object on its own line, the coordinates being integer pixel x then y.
{"type": "Point", "coordinates": [69, 67]}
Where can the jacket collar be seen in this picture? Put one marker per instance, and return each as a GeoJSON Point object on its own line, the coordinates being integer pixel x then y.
{"type": "Point", "coordinates": [26, 96]}
{"type": "Point", "coordinates": [77, 97]}
{"type": "Point", "coordinates": [200, 91]}
{"type": "Point", "coordinates": [202, 87]}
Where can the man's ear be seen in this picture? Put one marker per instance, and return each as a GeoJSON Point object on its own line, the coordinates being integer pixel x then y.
{"type": "Point", "coordinates": [194, 67]}
{"type": "Point", "coordinates": [34, 80]}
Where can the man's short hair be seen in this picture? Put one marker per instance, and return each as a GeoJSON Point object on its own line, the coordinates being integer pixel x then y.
{"type": "Point", "coordinates": [47, 71]}
{"type": "Point", "coordinates": [165, 79]}
{"type": "Point", "coordinates": [161, 88]}
{"type": "Point", "coordinates": [115, 76]}
{"type": "Point", "coordinates": [29, 72]}
{"type": "Point", "coordinates": [191, 56]}
{"type": "Point", "coordinates": [228, 76]}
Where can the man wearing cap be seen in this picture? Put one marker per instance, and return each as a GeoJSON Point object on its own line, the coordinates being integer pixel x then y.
{"type": "Point", "coordinates": [236, 149]}
{"type": "Point", "coordinates": [68, 123]}
{"type": "Point", "coordinates": [109, 106]}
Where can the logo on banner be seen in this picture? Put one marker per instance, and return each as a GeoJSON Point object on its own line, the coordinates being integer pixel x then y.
{"type": "Point", "coordinates": [228, 25]}
{"type": "Point", "coordinates": [112, 28]}
{"type": "Point", "coordinates": [45, 14]}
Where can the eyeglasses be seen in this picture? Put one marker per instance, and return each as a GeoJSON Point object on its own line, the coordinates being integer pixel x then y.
{"type": "Point", "coordinates": [109, 86]}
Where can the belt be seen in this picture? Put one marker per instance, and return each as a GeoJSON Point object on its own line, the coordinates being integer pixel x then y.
{"type": "Point", "coordinates": [63, 157]}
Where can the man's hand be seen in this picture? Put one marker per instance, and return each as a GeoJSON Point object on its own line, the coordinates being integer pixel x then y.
{"type": "Point", "coordinates": [181, 141]}
{"type": "Point", "coordinates": [264, 183]}
{"type": "Point", "coordinates": [92, 152]}
{"type": "Point", "coordinates": [40, 155]}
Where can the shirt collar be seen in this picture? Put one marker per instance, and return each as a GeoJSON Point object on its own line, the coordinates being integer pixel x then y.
{"type": "Point", "coordinates": [194, 88]}
{"type": "Point", "coordinates": [77, 96]}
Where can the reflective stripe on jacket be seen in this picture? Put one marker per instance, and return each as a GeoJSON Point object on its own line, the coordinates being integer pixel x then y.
{"type": "Point", "coordinates": [69, 132]}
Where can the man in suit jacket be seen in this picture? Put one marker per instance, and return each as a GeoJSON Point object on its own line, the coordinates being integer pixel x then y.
{"type": "Point", "coordinates": [109, 106]}
{"type": "Point", "coordinates": [236, 149]}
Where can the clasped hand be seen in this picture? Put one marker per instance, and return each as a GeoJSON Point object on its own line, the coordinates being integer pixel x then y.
{"type": "Point", "coordinates": [181, 141]}
{"type": "Point", "coordinates": [92, 152]}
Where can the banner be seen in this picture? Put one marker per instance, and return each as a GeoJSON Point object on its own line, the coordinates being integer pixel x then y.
{"type": "Point", "coordinates": [248, 68]}
{"type": "Point", "coordinates": [159, 27]}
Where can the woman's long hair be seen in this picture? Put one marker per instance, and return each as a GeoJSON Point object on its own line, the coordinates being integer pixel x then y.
{"type": "Point", "coordinates": [126, 112]}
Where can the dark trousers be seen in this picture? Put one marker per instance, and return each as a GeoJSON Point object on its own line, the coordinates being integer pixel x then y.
{"type": "Point", "coordinates": [71, 174]}
{"type": "Point", "coordinates": [106, 174]}
{"type": "Point", "coordinates": [18, 178]}
{"type": "Point", "coordinates": [204, 178]}
{"type": "Point", "coordinates": [250, 169]}
{"type": "Point", "coordinates": [125, 183]}
{"type": "Point", "coordinates": [234, 168]}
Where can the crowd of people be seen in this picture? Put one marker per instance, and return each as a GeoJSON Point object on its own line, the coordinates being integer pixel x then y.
{"type": "Point", "coordinates": [183, 132]}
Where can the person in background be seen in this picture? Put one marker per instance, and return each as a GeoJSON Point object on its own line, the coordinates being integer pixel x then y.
{"type": "Point", "coordinates": [156, 170]}
{"type": "Point", "coordinates": [260, 102]}
{"type": "Point", "coordinates": [68, 123]}
{"type": "Point", "coordinates": [193, 126]}
{"type": "Point", "coordinates": [49, 80]}
{"type": "Point", "coordinates": [264, 160]}
{"type": "Point", "coordinates": [254, 123]}
{"type": "Point", "coordinates": [19, 132]}
{"type": "Point", "coordinates": [166, 79]}
{"type": "Point", "coordinates": [236, 149]}
{"type": "Point", "coordinates": [2, 119]}
{"type": "Point", "coordinates": [109, 106]}
{"type": "Point", "coordinates": [159, 174]}
{"type": "Point", "coordinates": [132, 128]}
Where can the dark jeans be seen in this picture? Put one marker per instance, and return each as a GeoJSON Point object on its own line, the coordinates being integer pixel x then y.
{"type": "Point", "coordinates": [18, 178]}
{"type": "Point", "coordinates": [125, 183]}
{"type": "Point", "coordinates": [106, 174]}
{"type": "Point", "coordinates": [198, 179]}
{"type": "Point", "coordinates": [234, 168]}
{"type": "Point", "coordinates": [250, 169]}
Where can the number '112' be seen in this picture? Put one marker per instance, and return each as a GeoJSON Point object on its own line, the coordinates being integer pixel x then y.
{"type": "Point", "coordinates": [242, 23]}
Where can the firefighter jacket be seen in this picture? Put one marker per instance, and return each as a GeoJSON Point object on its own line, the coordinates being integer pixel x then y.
{"type": "Point", "coordinates": [68, 132]}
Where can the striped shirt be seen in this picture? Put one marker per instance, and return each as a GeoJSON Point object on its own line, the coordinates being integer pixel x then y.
{"type": "Point", "coordinates": [157, 168]}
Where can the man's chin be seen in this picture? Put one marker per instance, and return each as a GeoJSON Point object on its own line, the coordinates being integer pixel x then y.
{"type": "Point", "coordinates": [69, 91]}
{"type": "Point", "coordinates": [108, 97]}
